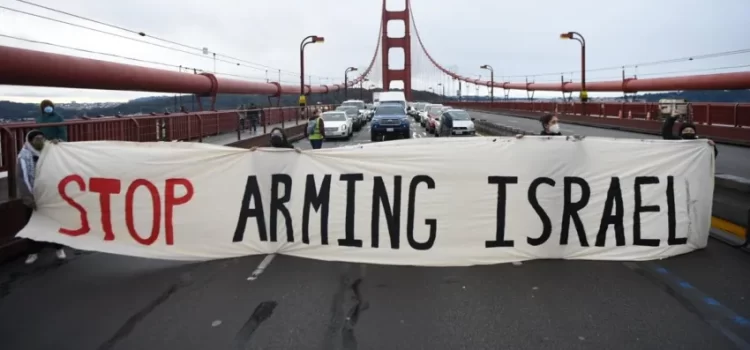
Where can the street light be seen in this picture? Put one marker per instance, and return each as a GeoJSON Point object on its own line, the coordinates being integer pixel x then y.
{"type": "Point", "coordinates": [579, 38]}
{"type": "Point", "coordinates": [308, 40]}
{"type": "Point", "coordinates": [346, 81]}
{"type": "Point", "coordinates": [492, 82]}
{"type": "Point", "coordinates": [442, 96]}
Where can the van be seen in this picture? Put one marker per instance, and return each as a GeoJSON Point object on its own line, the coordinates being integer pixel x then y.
{"type": "Point", "coordinates": [393, 97]}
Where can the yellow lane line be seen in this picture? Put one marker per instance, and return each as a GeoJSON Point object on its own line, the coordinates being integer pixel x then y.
{"type": "Point", "coordinates": [729, 227]}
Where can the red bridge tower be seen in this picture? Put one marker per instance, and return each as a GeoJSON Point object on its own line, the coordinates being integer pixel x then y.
{"type": "Point", "coordinates": [404, 42]}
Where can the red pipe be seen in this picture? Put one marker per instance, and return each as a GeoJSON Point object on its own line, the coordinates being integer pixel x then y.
{"type": "Point", "coordinates": [35, 68]}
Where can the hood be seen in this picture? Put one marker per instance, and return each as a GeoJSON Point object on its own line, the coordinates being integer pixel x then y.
{"type": "Point", "coordinates": [27, 144]}
{"type": "Point", "coordinates": [390, 116]}
{"type": "Point", "coordinates": [462, 123]}
{"type": "Point", "coordinates": [334, 123]}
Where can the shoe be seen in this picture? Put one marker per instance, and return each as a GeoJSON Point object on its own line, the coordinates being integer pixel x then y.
{"type": "Point", "coordinates": [60, 254]}
{"type": "Point", "coordinates": [31, 259]}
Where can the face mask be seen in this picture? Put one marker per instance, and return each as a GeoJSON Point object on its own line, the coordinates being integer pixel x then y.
{"type": "Point", "coordinates": [554, 128]}
{"type": "Point", "coordinates": [689, 136]}
{"type": "Point", "coordinates": [37, 144]}
{"type": "Point", "coordinates": [48, 109]}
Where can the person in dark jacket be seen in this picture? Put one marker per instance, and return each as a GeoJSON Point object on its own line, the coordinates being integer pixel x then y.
{"type": "Point", "coordinates": [550, 125]}
{"type": "Point", "coordinates": [688, 131]}
{"type": "Point", "coordinates": [49, 115]}
{"type": "Point", "coordinates": [279, 140]}
{"type": "Point", "coordinates": [25, 176]}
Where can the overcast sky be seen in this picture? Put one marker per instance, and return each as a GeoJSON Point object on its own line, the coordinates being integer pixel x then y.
{"type": "Point", "coordinates": [517, 38]}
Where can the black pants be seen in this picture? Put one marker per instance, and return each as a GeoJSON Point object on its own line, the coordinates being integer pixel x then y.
{"type": "Point", "coordinates": [36, 247]}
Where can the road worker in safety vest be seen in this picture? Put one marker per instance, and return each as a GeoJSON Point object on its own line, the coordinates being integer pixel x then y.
{"type": "Point", "coordinates": [315, 130]}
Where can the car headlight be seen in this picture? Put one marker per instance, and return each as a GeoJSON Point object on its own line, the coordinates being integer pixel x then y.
{"type": "Point", "coordinates": [343, 127]}
{"type": "Point", "coordinates": [471, 126]}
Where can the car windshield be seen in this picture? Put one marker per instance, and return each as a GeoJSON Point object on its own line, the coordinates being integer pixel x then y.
{"type": "Point", "coordinates": [389, 109]}
{"type": "Point", "coordinates": [420, 106]}
{"type": "Point", "coordinates": [334, 117]}
{"type": "Point", "coordinates": [402, 104]}
{"type": "Point", "coordinates": [348, 109]}
{"type": "Point", "coordinates": [460, 115]}
{"type": "Point", "coordinates": [357, 104]}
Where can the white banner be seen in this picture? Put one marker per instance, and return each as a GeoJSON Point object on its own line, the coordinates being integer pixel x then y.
{"type": "Point", "coordinates": [431, 202]}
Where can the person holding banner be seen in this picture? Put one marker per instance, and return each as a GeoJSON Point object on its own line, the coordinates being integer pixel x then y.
{"type": "Point", "coordinates": [550, 125]}
{"type": "Point", "coordinates": [25, 175]}
{"type": "Point", "coordinates": [279, 140]}
{"type": "Point", "coordinates": [687, 132]}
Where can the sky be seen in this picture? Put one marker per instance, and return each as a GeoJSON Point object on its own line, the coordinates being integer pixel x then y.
{"type": "Point", "coordinates": [517, 39]}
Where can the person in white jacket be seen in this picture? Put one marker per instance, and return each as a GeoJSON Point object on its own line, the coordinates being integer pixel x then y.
{"type": "Point", "coordinates": [25, 176]}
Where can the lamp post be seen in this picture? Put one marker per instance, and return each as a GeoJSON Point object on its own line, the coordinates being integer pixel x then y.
{"type": "Point", "coordinates": [442, 95]}
{"type": "Point", "coordinates": [346, 81]}
{"type": "Point", "coordinates": [579, 38]}
{"type": "Point", "coordinates": [308, 40]}
{"type": "Point", "coordinates": [492, 82]}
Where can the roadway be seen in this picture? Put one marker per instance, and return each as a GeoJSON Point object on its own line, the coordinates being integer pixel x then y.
{"type": "Point", "coordinates": [102, 301]}
{"type": "Point", "coordinates": [733, 160]}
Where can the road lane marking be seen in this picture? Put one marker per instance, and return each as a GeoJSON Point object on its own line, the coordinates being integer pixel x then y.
{"type": "Point", "coordinates": [262, 267]}
{"type": "Point", "coordinates": [729, 227]}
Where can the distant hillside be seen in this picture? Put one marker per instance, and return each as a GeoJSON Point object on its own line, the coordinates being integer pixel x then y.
{"type": "Point", "coordinates": [160, 104]}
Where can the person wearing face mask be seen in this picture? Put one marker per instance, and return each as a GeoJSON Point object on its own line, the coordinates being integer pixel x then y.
{"type": "Point", "coordinates": [279, 140]}
{"type": "Point", "coordinates": [550, 125]}
{"type": "Point", "coordinates": [25, 176]}
{"type": "Point", "coordinates": [688, 131]}
{"type": "Point", "coordinates": [49, 115]}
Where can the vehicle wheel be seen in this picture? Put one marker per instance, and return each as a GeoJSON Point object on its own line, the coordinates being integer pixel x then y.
{"type": "Point", "coordinates": [407, 135]}
{"type": "Point", "coordinates": [437, 134]}
{"type": "Point", "coordinates": [374, 137]}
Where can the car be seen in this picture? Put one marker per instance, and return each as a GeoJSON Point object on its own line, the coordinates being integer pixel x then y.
{"type": "Point", "coordinates": [461, 121]}
{"type": "Point", "coordinates": [433, 112]}
{"type": "Point", "coordinates": [390, 120]}
{"type": "Point", "coordinates": [434, 125]}
{"type": "Point", "coordinates": [353, 113]}
{"type": "Point", "coordinates": [337, 125]}
{"type": "Point", "coordinates": [416, 110]}
{"type": "Point", "coordinates": [361, 107]}
{"type": "Point", "coordinates": [425, 114]}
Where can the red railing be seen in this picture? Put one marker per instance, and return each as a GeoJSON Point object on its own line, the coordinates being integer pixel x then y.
{"type": "Point", "coordinates": [716, 114]}
{"type": "Point", "coordinates": [176, 126]}
{"type": "Point", "coordinates": [724, 122]}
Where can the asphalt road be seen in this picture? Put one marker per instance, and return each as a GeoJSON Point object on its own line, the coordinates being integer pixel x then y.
{"type": "Point", "coordinates": [733, 160]}
{"type": "Point", "coordinates": [101, 301]}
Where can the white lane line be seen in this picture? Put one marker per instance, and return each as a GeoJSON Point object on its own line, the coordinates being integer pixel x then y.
{"type": "Point", "coordinates": [414, 134]}
{"type": "Point", "coordinates": [262, 267]}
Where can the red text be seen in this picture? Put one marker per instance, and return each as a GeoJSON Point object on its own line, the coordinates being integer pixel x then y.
{"type": "Point", "coordinates": [107, 188]}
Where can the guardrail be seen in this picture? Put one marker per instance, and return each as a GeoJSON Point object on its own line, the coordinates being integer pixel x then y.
{"type": "Point", "coordinates": [723, 122]}
{"type": "Point", "coordinates": [167, 127]}
{"type": "Point", "coordinates": [717, 114]}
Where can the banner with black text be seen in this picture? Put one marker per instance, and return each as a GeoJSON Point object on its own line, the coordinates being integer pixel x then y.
{"type": "Point", "coordinates": [430, 202]}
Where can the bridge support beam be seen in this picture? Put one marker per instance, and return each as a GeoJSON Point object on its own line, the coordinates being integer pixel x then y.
{"type": "Point", "coordinates": [404, 43]}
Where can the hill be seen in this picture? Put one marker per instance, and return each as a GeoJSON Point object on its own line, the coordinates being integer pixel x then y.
{"type": "Point", "coordinates": [160, 104]}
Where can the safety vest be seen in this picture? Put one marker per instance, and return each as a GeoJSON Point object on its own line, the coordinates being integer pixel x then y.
{"type": "Point", "coordinates": [316, 135]}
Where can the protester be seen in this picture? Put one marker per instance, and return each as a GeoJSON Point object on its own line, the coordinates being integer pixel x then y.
{"type": "Point", "coordinates": [25, 175]}
{"type": "Point", "coordinates": [550, 125]}
{"type": "Point", "coordinates": [254, 115]}
{"type": "Point", "coordinates": [315, 131]}
{"type": "Point", "coordinates": [688, 131]}
{"type": "Point", "coordinates": [243, 116]}
{"type": "Point", "coordinates": [49, 115]}
{"type": "Point", "coordinates": [279, 139]}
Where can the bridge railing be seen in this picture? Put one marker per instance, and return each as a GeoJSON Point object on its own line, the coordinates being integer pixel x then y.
{"type": "Point", "coordinates": [192, 126]}
{"type": "Point", "coordinates": [715, 114]}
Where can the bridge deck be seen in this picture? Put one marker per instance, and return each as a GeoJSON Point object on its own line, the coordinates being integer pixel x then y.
{"type": "Point", "coordinates": [101, 301]}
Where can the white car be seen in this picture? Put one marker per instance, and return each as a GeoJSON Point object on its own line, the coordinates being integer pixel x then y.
{"type": "Point", "coordinates": [424, 115]}
{"type": "Point", "coordinates": [337, 125]}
